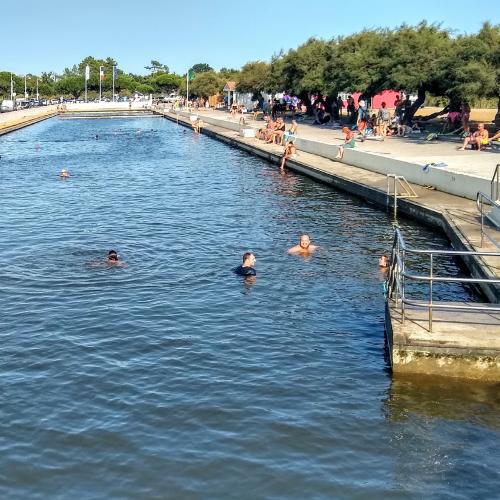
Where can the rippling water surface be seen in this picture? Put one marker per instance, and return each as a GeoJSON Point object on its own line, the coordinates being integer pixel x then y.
{"type": "Point", "coordinates": [172, 377]}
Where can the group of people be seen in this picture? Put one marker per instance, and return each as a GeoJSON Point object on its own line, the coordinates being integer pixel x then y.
{"type": "Point", "coordinates": [304, 248]}
{"type": "Point", "coordinates": [479, 139]}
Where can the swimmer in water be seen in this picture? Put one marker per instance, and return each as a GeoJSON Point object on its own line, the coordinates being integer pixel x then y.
{"type": "Point", "coordinates": [112, 257]}
{"type": "Point", "coordinates": [304, 247]}
{"type": "Point", "coordinates": [246, 268]}
{"type": "Point", "coordinates": [383, 262]}
{"type": "Point", "coordinates": [64, 174]}
{"type": "Point", "coordinates": [97, 137]}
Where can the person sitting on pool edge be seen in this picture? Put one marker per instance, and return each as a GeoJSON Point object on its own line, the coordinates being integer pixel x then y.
{"type": "Point", "coordinates": [304, 247]}
{"type": "Point", "coordinates": [290, 153]}
{"type": "Point", "coordinates": [246, 269]}
{"type": "Point", "coordinates": [349, 142]}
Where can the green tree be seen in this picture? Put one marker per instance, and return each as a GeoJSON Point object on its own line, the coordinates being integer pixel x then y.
{"type": "Point", "coordinates": [419, 58]}
{"type": "Point", "coordinates": [358, 62]}
{"type": "Point", "coordinates": [302, 69]}
{"type": "Point", "coordinates": [201, 68]}
{"type": "Point", "coordinates": [71, 85]}
{"type": "Point", "coordinates": [254, 77]}
{"type": "Point", "coordinates": [206, 84]}
{"type": "Point", "coordinates": [157, 67]}
{"type": "Point", "coordinates": [168, 82]}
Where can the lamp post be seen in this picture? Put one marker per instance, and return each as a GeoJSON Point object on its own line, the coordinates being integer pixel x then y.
{"type": "Point", "coordinates": [25, 88]}
{"type": "Point", "coordinates": [37, 94]}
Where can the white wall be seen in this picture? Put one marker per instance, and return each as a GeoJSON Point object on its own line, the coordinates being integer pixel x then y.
{"type": "Point", "coordinates": [464, 185]}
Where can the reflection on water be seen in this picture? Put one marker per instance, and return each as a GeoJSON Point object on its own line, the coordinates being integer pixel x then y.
{"type": "Point", "coordinates": [174, 378]}
{"type": "Point", "coordinates": [444, 398]}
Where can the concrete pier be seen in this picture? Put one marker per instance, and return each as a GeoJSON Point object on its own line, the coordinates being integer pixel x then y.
{"type": "Point", "coordinates": [14, 120]}
{"type": "Point", "coordinates": [461, 344]}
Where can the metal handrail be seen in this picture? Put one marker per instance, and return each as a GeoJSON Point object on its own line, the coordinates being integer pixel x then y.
{"type": "Point", "coordinates": [408, 193]}
{"type": "Point", "coordinates": [480, 199]}
{"type": "Point", "coordinates": [495, 183]}
{"type": "Point", "coordinates": [396, 280]}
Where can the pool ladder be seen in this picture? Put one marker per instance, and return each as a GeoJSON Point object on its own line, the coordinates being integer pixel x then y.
{"type": "Point", "coordinates": [493, 201]}
{"type": "Point", "coordinates": [401, 188]}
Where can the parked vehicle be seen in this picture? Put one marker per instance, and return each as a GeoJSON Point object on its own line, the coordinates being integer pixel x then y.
{"type": "Point", "coordinates": [171, 98]}
{"type": "Point", "coordinates": [7, 105]}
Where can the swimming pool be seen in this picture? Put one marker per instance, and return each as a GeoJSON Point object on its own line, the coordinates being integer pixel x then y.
{"type": "Point", "coordinates": [174, 378]}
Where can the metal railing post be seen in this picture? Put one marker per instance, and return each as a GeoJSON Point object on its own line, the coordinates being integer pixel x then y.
{"type": "Point", "coordinates": [495, 183]}
{"type": "Point", "coordinates": [395, 199]}
{"type": "Point", "coordinates": [403, 266]}
{"type": "Point", "coordinates": [482, 223]}
{"type": "Point", "coordinates": [430, 291]}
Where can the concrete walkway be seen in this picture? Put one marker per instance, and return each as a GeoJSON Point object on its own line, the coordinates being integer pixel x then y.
{"type": "Point", "coordinates": [414, 149]}
{"type": "Point", "coordinates": [465, 173]}
{"type": "Point", "coordinates": [13, 120]}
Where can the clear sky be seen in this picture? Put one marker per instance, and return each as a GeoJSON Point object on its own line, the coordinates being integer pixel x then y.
{"type": "Point", "coordinates": [51, 35]}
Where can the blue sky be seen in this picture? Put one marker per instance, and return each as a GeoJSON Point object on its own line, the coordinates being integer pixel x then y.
{"type": "Point", "coordinates": [218, 32]}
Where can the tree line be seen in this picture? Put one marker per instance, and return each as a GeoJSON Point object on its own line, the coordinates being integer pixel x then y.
{"type": "Point", "coordinates": [426, 59]}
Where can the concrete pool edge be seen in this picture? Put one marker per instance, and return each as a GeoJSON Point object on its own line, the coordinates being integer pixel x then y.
{"type": "Point", "coordinates": [25, 121]}
{"type": "Point", "coordinates": [433, 356]}
{"type": "Point", "coordinates": [431, 216]}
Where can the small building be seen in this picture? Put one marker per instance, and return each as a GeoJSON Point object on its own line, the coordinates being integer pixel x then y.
{"type": "Point", "coordinates": [230, 90]}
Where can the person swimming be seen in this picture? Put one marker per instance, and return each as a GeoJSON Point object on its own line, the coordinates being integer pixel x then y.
{"type": "Point", "coordinates": [304, 247]}
{"type": "Point", "coordinates": [112, 257]}
{"type": "Point", "coordinates": [246, 268]}
{"type": "Point", "coordinates": [64, 174]}
{"type": "Point", "coordinates": [383, 261]}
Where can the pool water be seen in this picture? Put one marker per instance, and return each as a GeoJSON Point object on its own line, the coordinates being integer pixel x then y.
{"type": "Point", "coordinates": [174, 378]}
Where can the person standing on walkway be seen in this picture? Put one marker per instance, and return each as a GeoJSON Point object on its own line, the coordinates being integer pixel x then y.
{"type": "Point", "coordinates": [383, 120]}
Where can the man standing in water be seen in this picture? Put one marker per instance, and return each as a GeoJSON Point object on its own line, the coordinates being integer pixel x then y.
{"type": "Point", "coordinates": [246, 269]}
{"type": "Point", "coordinates": [304, 247]}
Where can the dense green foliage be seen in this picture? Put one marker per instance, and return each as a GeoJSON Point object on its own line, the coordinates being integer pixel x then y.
{"type": "Point", "coordinates": [425, 59]}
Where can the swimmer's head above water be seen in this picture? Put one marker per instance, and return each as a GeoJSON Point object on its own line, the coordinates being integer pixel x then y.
{"type": "Point", "coordinates": [248, 259]}
{"type": "Point", "coordinates": [304, 241]}
{"type": "Point", "coordinates": [304, 247]}
{"type": "Point", "coordinates": [384, 261]}
{"type": "Point", "coordinates": [112, 256]}
{"type": "Point", "coordinates": [64, 173]}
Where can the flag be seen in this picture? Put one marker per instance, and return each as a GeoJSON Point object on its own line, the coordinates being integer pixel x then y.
{"type": "Point", "coordinates": [101, 73]}
{"type": "Point", "coordinates": [190, 75]}
{"type": "Point", "coordinates": [87, 72]}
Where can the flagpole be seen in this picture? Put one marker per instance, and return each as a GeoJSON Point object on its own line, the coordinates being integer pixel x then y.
{"type": "Point", "coordinates": [114, 70]}
{"type": "Point", "coordinates": [100, 83]}
{"type": "Point", "coordinates": [187, 90]}
{"type": "Point", "coordinates": [85, 85]}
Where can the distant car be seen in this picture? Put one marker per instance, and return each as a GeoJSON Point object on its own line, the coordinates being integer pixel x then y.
{"type": "Point", "coordinates": [6, 105]}
{"type": "Point", "coordinates": [171, 98]}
